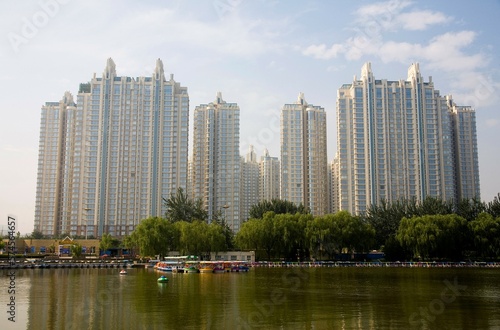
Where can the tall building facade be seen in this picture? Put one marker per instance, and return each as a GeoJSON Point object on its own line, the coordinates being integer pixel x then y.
{"type": "Point", "coordinates": [466, 152]}
{"type": "Point", "coordinates": [395, 139]}
{"type": "Point", "coordinates": [269, 177]}
{"type": "Point", "coordinates": [249, 192]}
{"type": "Point", "coordinates": [304, 156]}
{"type": "Point", "coordinates": [216, 159]}
{"type": "Point", "coordinates": [52, 194]}
{"type": "Point", "coordinates": [126, 148]}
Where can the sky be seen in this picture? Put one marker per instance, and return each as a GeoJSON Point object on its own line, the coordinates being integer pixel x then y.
{"type": "Point", "coordinates": [259, 54]}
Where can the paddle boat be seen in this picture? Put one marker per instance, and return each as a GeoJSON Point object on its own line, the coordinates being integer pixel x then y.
{"type": "Point", "coordinates": [191, 269]}
{"type": "Point", "coordinates": [162, 279]}
{"type": "Point", "coordinates": [123, 272]}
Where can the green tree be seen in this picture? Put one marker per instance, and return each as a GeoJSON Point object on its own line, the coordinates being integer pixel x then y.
{"type": "Point", "coordinates": [249, 236]}
{"type": "Point", "coordinates": [334, 233]}
{"type": "Point", "coordinates": [434, 236]}
{"type": "Point", "coordinates": [181, 208]}
{"type": "Point", "coordinates": [193, 237]}
{"type": "Point", "coordinates": [154, 236]}
{"type": "Point", "coordinates": [277, 206]}
{"type": "Point", "coordinates": [107, 242]}
{"type": "Point", "coordinates": [493, 207]}
{"type": "Point", "coordinates": [486, 235]}
{"type": "Point", "coordinates": [76, 250]}
{"type": "Point", "coordinates": [290, 232]}
{"type": "Point", "coordinates": [469, 209]}
{"type": "Point", "coordinates": [37, 234]}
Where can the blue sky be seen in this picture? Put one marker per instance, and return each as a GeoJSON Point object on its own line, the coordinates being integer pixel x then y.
{"type": "Point", "coordinates": [259, 54]}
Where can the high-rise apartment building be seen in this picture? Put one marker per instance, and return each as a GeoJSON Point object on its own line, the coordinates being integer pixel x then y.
{"type": "Point", "coordinates": [304, 156]}
{"type": "Point", "coordinates": [216, 159]}
{"type": "Point", "coordinates": [466, 153]}
{"type": "Point", "coordinates": [269, 177]}
{"type": "Point", "coordinates": [396, 139]}
{"type": "Point", "coordinates": [249, 192]}
{"type": "Point", "coordinates": [125, 147]}
{"type": "Point", "coordinates": [56, 138]}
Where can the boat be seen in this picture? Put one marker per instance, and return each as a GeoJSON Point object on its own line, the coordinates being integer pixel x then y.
{"type": "Point", "coordinates": [243, 268]}
{"type": "Point", "coordinates": [163, 266]}
{"type": "Point", "coordinates": [219, 269]}
{"type": "Point", "coordinates": [206, 269]}
{"type": "Point", "coordinates": [191, 269]}
{"type": "Point", "coordinates": [123, 272]}
{"type": "Point", "coordinates": [162, 279]}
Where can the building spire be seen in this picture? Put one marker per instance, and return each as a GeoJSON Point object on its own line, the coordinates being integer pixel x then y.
{"type": "Point", "coordinates": [110, 68]}
{"type": "Point", "coordinates": [301, 99]}
{"type": "Point", "coordinates": [414, 71]}
{"type": "Point", "coordinates": [159, 73]}
{"type": "Point", "coordinates": [218, 99]}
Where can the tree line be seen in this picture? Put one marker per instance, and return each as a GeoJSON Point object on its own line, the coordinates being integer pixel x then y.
{"type": "Point", "coordinates": [405, 229]}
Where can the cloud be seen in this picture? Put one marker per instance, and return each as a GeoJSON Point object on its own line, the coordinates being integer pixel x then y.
{"type": "Point", "coordinates": [324, 52]}
{"type": "Point", "coordinates": [382, 8]}
{"type": "Point", "coordinates": [421, 20]}
{"type": "Point", "coordinates": [444, 52]}
{"type": "Point", "coordinates": [370, 23]}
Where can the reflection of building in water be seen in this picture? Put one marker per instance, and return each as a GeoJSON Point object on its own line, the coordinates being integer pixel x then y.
{"type": "Point", "coordinates": [77, 299]}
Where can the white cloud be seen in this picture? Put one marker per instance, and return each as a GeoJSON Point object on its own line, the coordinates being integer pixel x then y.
{"type": "Point", "coordinates": [421, 20]}
{"type": "Point", "coordinates": [382, 8]}
{"type": "Point", "coordinates": [323, 52]}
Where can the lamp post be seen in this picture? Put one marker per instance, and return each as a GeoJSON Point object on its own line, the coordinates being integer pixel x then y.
{"type": "Point", "coordinates": [225, 208]}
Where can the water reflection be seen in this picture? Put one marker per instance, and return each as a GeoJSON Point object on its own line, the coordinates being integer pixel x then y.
{"type": "Point", "coordinates": [269, 298]}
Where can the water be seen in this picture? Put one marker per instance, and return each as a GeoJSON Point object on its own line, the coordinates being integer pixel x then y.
{"type": "Point", "coordinates": [264, 298]}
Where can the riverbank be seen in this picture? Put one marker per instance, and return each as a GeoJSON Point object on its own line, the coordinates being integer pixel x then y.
{"type": "Point", "coordinates": [319, 264]}
{"type": "Point", "coordinates": [432, 264]}
{"type": "Point", "coordinates": [65, 264]}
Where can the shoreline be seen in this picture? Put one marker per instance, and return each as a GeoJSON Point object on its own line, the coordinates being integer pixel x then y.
{"type": "Point", "coordinates": [267, 264]}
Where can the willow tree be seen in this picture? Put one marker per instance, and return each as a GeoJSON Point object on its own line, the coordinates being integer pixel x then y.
{"type": "Point", "coordinates": [434, 236]}
{"type": "Point", "coordinates": [154, 236]}
{"type": "Point", "coordinates": [486, 235]}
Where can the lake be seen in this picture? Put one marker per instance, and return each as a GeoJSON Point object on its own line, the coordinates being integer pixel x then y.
{"type": "Point", "coordinates": [263, 298]}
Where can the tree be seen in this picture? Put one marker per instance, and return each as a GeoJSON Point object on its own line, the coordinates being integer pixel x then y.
{"type": "Point", "coordinates": [434, 236]}
{"type": "Point", "coordinates": [181, 208]}
{"type": "Point", "coordinates": [249, 236]}
{"type": "Point", "coordinates": [486, 232]}
{"type": "Point", "coordinates": [37, 234]}
{"type": "Point", "coordinates": [493, 207]}
{"type": "Point", "coordinates": [469, 209]}
{"type": "Point", "coordinates": [154, 236]}
{"type": "Point", "coordinates": [193, 237]}
{"type": "Point", "coordinates": [76, 250]}
{"type": "Point", "coordinates": [107, 242]}
{"type": "Point", "coordinates": [386, 216]}
{"type": "Point", "coordinates": [2, 244]}
{"type": "Point", "coordinates": [277, 206]}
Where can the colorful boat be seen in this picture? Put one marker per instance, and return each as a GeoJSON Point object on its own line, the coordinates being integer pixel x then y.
{"type": "Point", "coordinates": [206, 269]}
{"type": "Point", "coordinates": [218, 269]}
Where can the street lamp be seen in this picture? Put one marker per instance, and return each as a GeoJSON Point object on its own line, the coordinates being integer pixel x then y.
{"type": "Point", "coordinates": [225, 208]}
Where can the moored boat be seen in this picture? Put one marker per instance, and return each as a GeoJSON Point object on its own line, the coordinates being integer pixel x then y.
{"type": "Point", "coordinates": [218, 269]}
{"type": "Point", "coordinates": [191, 269]}
{"type": "Point", "coordinates": [206, 269]}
